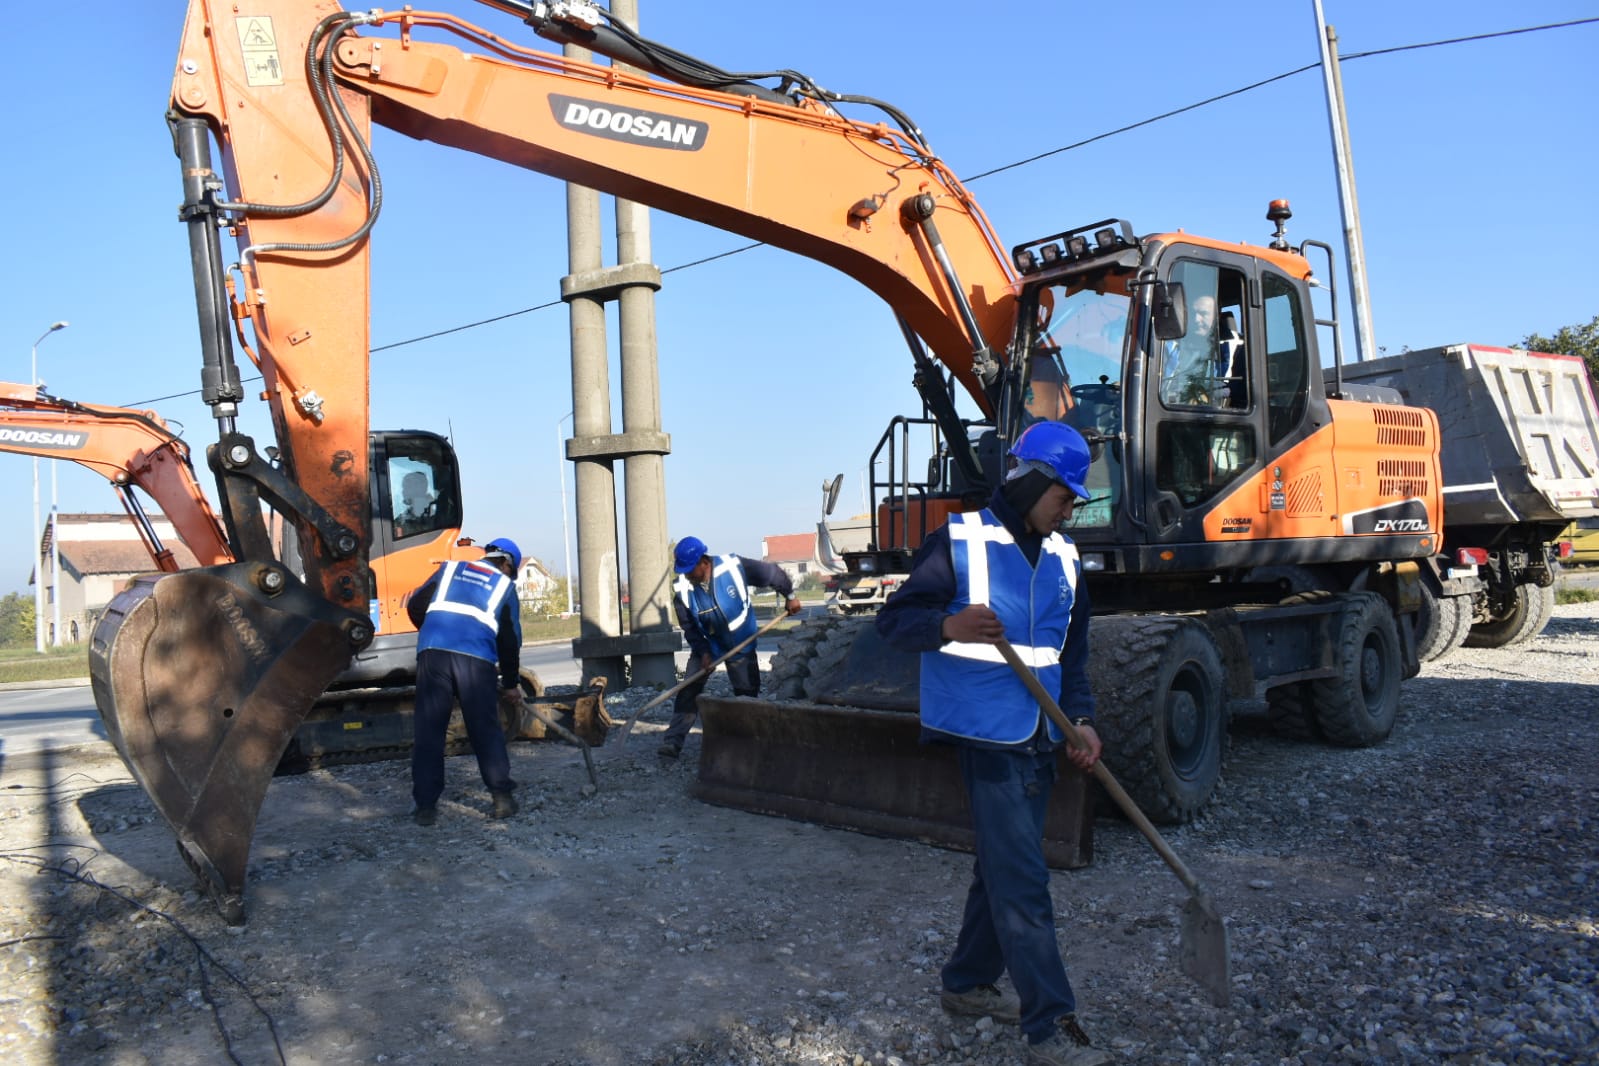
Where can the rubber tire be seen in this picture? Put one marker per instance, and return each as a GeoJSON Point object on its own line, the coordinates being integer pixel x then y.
{"type": "Point", "coordinates": [1160, 691]}
{"type": "Point", "coordinates": [1442, 625]}
{"type": "Point", "coordinates": [1528, 615]}
{"type": "Point", "coordinates": [1289, 713]}
{"type": "Point", "coordinates": [1357, 706]}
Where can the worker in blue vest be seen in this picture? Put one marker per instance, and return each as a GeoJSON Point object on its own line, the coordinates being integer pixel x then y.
{"type": "Point", "coordinates": [1007, 571]}
{"type": "Point", "coordinates": [714, 610]}
{"type": "Point", "coordinates": [469, 636]}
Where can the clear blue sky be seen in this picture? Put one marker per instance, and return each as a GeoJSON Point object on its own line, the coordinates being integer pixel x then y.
{"type": "Point", "coordinates": [1475, 164]}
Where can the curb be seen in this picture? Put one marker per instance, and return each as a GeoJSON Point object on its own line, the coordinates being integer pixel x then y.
{"type": "Point", "coordinates": [62, 682]}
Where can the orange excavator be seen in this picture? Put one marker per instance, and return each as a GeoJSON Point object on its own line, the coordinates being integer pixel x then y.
{"type": "Point", "coordinates": [415, 524]}
{"type": "Point", "coordinates": [203, 676]}
{"type": "Point", "coordinates": [132, 449]}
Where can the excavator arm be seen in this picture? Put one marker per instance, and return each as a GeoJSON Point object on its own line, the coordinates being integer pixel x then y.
{"type": "Point", "coordinates": [288, 90]}
{"type": "Point", "coordinates": [129, 448]}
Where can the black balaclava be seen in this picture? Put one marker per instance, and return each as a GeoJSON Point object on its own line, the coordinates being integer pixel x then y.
{"type": "Point", "coordinates": [1024, 491]}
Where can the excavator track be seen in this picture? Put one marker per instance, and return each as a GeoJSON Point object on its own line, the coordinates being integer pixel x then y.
{"type": "Point", "coordinates": [348, 727]}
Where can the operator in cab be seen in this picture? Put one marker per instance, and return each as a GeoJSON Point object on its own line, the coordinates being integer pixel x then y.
{"type": "Point", "coordinates": [1008, 572]}
{"type": "Point", "coordinates": [714, 609]}
{"type": "Point", "coordinates": [468, 650]}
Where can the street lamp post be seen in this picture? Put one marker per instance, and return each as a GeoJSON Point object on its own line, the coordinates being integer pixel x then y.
{"type": "Point", "coordinates": [38, 557]}
{"type": "Point", "coordinates": [55, 561]}
{"type": "Point", "coordinates": [566, 536]}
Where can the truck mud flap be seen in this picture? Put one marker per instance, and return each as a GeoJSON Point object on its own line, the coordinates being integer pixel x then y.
{"type": "Point", "coordinates": [860, 769]}
{"type": "Point", "coordinates": [201, 679]}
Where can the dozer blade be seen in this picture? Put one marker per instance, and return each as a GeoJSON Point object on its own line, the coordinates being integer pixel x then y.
{"type": "Point", "coordinates": [201, 680]}
{"type": "Point", "coordinates": [862, 769]}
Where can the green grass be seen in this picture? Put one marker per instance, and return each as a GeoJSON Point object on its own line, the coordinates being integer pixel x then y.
{"type": "Point", "coordinates": [1575, 594]}
{"type": "Point", "coordinates": [24, 664]}
{"type": "Point", "coordinates": [539, 629]}
{"type": "Point", "coordinates": [542, 629]}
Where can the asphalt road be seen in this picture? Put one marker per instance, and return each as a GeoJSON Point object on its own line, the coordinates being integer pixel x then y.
{"type": "Point", "coordinates": [56, 715]}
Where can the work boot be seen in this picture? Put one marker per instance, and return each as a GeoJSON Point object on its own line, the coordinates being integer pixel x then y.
{"type": "Point", "coordinates": [670, 750]}
{"type": "Point", "coordinates": [984, 1001]}
{"type": "Point", "coordinates": [1067, 1046]}
{"type": "Point", "coordinates": [425, 815]}
{"type": "Point", "coordinates": [504, 805]}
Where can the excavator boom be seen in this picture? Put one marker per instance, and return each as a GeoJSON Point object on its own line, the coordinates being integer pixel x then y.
{"type": "Point", "coordinates": [127, 447]}
{"type": "Point", "coordinates": [287, 91]}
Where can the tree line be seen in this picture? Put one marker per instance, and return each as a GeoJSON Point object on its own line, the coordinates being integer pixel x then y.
{"type": "Point", "coordinates": [1581, 340]}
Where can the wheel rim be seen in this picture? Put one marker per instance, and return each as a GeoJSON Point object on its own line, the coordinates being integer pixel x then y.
{"type": "Point", "coordinates": [1372, 671]}
{"type": "Point", "coordinates": [1187, 725]}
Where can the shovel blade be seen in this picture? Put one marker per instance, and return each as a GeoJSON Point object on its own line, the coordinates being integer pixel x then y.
{"type": "Point", "coordinates": [1204, 948]}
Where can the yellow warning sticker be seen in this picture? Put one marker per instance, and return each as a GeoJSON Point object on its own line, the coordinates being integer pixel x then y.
{"type": "Point", "coordinates": [262, 65]}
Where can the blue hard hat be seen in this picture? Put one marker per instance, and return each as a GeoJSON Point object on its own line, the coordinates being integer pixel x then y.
{"type": "Point", "coordinates": [1058, 447]}
{"type": "Point", "coordinates": [690, 550]}
{"type": "Point", "coordinates": [504, 547]}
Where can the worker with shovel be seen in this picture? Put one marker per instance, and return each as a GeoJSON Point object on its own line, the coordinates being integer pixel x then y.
{"type": "Point", "coordinates": [1007, 570]}
{"type": "Point", "coordinates": [717, 615]}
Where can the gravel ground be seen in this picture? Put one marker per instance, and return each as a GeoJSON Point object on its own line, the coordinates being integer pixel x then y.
{"type": "Point", "coordinates": [1432, 900]}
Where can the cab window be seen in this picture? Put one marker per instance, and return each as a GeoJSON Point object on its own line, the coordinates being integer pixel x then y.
{"type": "Point", "coordinates": [1287, 359]}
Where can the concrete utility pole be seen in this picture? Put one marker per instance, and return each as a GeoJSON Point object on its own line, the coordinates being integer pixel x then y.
{"type": "Point", "coordinates": [594, 449]}
{"type": "Point", "coordinates": [1354, 248]}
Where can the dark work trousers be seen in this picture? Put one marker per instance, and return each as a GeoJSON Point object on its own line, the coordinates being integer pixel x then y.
{"type": "Point", "coordinates": [1009, 922]}
{"type": "Point", "coordinates": [743, 672]}
{"type": "Point", "coordinates": [442, 679]}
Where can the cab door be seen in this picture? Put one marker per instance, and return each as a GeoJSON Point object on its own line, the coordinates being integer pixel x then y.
{"type": "Point", "coordinates": [1230, 407]}
{"type": "Point", "coordinates": [416, 519]}
{"type": "Point", "coordinates": [1203, 392]}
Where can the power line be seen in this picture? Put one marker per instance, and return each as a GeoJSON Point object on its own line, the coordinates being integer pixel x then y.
{"type": "Point", "coordinates": [996, 170]}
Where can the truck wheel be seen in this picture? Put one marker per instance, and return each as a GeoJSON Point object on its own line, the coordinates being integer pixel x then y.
{"type": "Point", "coordinates": [1160, 687]}
{"type": "Point", "coordinates": [1441, 625]}
{"type": "Point", "coordinates": [1529, 612]}
{"type": "Point", "coordinates": [1356, 707]}
{"type": "Point", "coordinates": [1288, 710]}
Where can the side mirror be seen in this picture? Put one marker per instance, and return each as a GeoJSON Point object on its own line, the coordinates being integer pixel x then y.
{"type": "Point", "coordinates": [1170, 310]}
{"type": "Point", "coordinates": [830, 489]}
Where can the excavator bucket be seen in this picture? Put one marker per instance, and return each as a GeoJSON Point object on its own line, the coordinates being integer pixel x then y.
{"type": "Point", "coordinates": [201, 678]}
{"type": "Point", "coordinates": [862, 769]}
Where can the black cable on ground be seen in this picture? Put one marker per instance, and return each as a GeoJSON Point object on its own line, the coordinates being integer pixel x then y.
{"type": "Point", "coordinates": [72, 870]}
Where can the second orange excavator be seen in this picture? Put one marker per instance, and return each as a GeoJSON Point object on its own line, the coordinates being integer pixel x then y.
{"type": "Point", "coordinates": [415, 524]}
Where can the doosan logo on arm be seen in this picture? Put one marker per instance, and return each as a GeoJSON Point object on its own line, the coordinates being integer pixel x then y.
{"type": "Point", "coordinates": [618, 124]}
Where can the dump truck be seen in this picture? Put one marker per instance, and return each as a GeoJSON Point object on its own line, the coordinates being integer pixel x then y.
{"type": "Point", "coordinates": [1520, 434]}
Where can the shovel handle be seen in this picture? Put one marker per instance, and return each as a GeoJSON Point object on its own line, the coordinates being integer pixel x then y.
{"type": "Point", "coordinates": [1104, 776]}
{"type": "Point", "coordinates": [627, 727]}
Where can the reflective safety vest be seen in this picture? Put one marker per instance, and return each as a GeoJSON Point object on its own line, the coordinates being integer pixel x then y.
{"type": "Point", "coordinates": [723, 608]}
{"type": "Point", "coordinates": [464, 613]}
{"type": "Point", "coordinates": [968, 690]}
